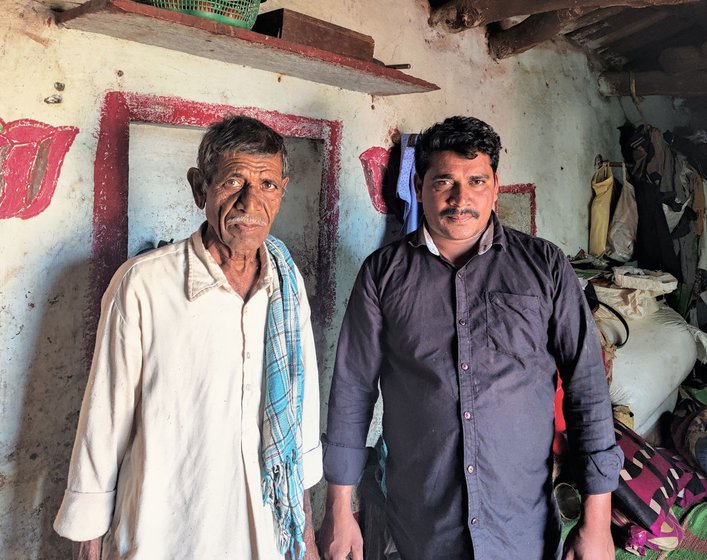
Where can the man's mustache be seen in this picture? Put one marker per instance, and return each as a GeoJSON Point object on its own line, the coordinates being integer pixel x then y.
{"type": "Point", "coordinates": [460, 212]}
{"type": "Point", "coordinates": [245, 219]}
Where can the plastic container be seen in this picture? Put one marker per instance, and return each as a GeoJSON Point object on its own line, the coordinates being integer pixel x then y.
{"type": "Point", "coordinates": [239, 13]}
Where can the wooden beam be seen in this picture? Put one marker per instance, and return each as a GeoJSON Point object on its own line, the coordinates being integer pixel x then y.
{"type": "Point", "coordinates": [534, 30]}
{"type": "Point", "coordinates": [626, 26]}
{"type": "Point", "coordinates": [646, 40]}
{"type": "Point", "coordinates": [457, 15]}
{"type": "Point", "coordinates": [597, 28]}
{"type": "Point", "coordinates": [597, 16]}
{"type": "Point", "coordinates": [676, 60]}
{"type": "Point", "coordinates": [688, 84]}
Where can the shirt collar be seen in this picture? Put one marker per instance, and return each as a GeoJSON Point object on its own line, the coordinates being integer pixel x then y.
{"type": "Point", "coordinates": [204, 273]}
{"type": "Point", "coordinates": [493, 235]}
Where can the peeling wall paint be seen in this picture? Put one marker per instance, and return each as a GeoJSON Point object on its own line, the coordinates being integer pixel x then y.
{"type": "Point", "coordinates": [544, 104]}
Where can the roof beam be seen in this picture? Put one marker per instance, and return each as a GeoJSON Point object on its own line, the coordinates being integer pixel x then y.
{"type": "Point", "coordinates": [542, 27]}
{"type": "Point", "coordinates": [632, 24]}
{"type": "Point", "coordinates": [649, 37]}
{"type": "Point", "coordinates": [677, 60]}
{"type": "Point", "coordinates": [457, 15]}
{"type": "Point", "coordinates": [686, 84]}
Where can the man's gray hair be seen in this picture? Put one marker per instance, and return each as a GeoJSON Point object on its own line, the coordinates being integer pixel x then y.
{"type": "Point", "coordinates": [235, 134]}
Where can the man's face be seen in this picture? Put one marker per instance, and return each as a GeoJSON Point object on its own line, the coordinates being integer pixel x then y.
{"type": "Point", "coordinates": [457, 196]}
{"type": "Point", "coordinates": [242, 199]}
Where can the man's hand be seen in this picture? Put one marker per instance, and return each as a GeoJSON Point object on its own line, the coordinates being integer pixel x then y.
{"type": "Point", "coordinates": [591, 538]}
{"type": "Point", "coordinates": [309, 541]}
{"type": "Point", "coordinates": [340, 533]}
{"type": "Point", "coordinates": [87, 550]}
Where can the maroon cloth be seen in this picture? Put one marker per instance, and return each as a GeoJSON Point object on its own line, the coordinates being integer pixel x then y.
{"type": "Point", "coordinates": [651, 482]}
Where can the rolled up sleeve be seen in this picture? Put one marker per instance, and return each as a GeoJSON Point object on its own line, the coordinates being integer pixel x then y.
{"type": "Point", "coordinates": [587, 405]}
{"type": "Point", "coordinates": [354, 389]}
{"type": "Point", "coordinates": [84, 516]}
{"type": "Point", "coordinates": [105, 424]}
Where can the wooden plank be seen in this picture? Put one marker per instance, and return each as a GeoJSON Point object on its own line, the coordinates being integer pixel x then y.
{"type": "Point", "coordinates": [306, 30]}
{"type": "Point", "coordinates": [676, 60]}
{"type": "Point", "coordinates": [145, 24]}
{"type": "Point", "coordinates": [532, 31]}
{"type": "Point", "coordinates": [625, 25]}
{"type": "Point", "coordinates": [457, 15]}
{"type": "Point", "coordinates": [652, 37]}
{"type": "Point", "coordinates": [597, 16]}
{"type": "Point", "coordinates": [689, 84]}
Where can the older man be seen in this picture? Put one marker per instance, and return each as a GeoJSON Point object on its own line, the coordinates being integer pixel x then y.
{"type": "Point", "coordinates": [463, 323]}
{"type": "Point", "coordinates": [199, 429]}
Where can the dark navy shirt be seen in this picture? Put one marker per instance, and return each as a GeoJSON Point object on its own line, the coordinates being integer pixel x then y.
{"type": "Point", "coordinates": [466, 359]}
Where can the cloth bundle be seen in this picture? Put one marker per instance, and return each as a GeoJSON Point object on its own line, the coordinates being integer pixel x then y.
{"type": "Point", "coordinates": [689, 431]}
{"type": "Point", "coordinates": [602, 185]}
{"type": "Point", "coordinates": [624, 223]}
{"type": "Point", "coordinates": [651, 482]}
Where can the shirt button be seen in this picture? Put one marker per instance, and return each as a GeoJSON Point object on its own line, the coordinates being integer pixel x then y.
{"type": "Point", "coordinates": [247, 355]}
{"type": "Point", "coordinates": [464, 366]}
{"type": "Point", "coordinates": [470, 469]}
{"type": "Point", "coordinates": [462, 322]}
{"type": "Point", "coordinates": [474, 521]}
{"type": "Point", "coordinates": [467, 415]}
{"type": "Point", "coordinates": [247, 387]}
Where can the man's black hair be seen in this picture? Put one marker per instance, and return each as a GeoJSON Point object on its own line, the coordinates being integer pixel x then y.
{"type": "Point", "coordinates": [467, 136]}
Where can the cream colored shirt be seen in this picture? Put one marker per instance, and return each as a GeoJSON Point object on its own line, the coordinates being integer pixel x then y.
{"type": "Point", "coordinates": [167, 453]}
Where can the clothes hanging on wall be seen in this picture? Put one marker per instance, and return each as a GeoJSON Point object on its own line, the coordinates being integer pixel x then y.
{"type": "Point", "coordinates": [624, 223]}
{"type": "Point", "coordinates": [654, 246]}
{"type": "Point", "coordinates": [405, 189]}
{"type": "Point", "coordinates": [602, 185]}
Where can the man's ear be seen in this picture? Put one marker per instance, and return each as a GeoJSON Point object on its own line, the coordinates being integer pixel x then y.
{"type": "Point", "coordinates": [198, 186]}
{"type": "Point", "coordinates": [418, 187]}
{"type": "Point", "coordinates": [285, 180]}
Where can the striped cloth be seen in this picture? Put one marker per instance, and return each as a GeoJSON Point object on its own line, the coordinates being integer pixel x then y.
{"type": "Point", "coordinates": [282, 416]}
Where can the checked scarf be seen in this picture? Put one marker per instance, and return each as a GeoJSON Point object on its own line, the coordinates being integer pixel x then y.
{"type": "Point", "coordinates": [282, 416]}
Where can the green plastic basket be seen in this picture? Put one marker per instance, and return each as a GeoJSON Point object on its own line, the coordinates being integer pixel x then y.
{"type": "Point", "coordinates": [240, 13]}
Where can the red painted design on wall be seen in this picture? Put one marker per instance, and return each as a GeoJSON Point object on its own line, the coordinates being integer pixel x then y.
{"type": "Point", "coordinates": [375, 164]}
{"type": "Point", "coordinates": [31, 156]}
{"type": "Point", "coordinates": [110, 207]}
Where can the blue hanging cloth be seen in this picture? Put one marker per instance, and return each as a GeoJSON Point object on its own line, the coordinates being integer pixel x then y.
{"type": "Point", "coordinates": [405, 189]}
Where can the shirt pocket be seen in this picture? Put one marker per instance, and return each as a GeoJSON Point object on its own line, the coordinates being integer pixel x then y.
{"type": "Point", "coordinates": [514, 324]}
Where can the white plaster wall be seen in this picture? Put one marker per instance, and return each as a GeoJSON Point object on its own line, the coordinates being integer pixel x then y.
{"type": "Point", "coordinates": [543, 103]}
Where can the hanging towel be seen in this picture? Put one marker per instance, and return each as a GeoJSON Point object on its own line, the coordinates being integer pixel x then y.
{"type": "Point", "coordinates": [405, 189]}
{"type": "Point", "coordinates": [602, 185]}
{"type": "Point", "coordinates": [282, 410]}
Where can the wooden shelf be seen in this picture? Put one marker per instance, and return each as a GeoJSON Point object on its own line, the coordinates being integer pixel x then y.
{"type": "Point", "coordinates": [145, 24]}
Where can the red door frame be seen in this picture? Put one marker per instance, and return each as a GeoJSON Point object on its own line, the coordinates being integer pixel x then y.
{"type": "Point", "coordinates": [110, 175]}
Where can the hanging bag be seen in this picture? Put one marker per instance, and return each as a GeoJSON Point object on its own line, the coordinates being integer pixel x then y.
{"type": "Point", "coordinates": [602, 185]}
{"type": "Point", "coordinates": [624, 224]}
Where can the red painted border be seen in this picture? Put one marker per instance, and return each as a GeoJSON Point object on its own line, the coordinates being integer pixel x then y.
{"type": "Point", "coordinates": [110, 206]}
{"type": "Point", "coordinates": [523, 188]}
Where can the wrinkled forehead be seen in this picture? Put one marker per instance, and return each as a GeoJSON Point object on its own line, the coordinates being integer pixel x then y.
{"type": "Point", "coordinates": [255, 159]}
